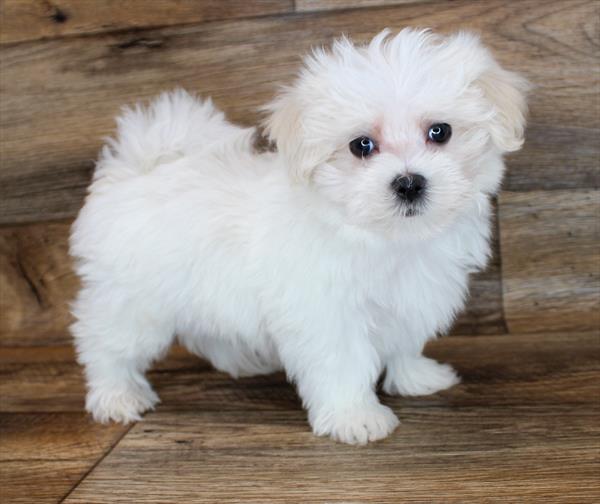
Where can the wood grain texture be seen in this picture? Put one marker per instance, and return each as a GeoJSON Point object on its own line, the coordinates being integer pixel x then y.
{"type": "Point", "coordinates": [522, 427]}
{"type": "Point", "coordinates": [551, 259]}
{"type": "Point", "coordinates": [60, 96]}
{"type": "Point", "coordinates": [485, 456]}
{"type": "Point", "coordinates": [25, 20]}
{"type": "Point", "coordinates": [47, 442]}
{"type": "Point", "coordinates": [43, 455]}
{"type": "Point", "coordinates": [37, 283]}
{"type": "Point", "coordinates": [38, 482]}
{"type": "Point", "coordinates": [321, 5]}
{"type": "Point", "coordinates": [40, 379]}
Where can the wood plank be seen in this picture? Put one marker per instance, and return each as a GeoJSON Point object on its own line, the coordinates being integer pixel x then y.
{"type": "Point", "coordinates": [56, 107]}
{"type": "Point", "coordinates": [64, 436]}
{"type": "Point", "coordinates": [482, 454]}
{"type": "Point", "coordinates": [555, 157]}
{"type": "Point", "coordinates": [321, 5]}
{"type": "Point", "coordinates": [40, 379]}
{"type": "Point", "coordinates": [43, 455]}
{"type": "Point", "coordinates": [551, 260]}
{"type": "Point", "coordinates": [37, 285]}
{"type": "Point", "coordinates": [38, 481]}
{"type": "Point", "coordinates": [25, 20]}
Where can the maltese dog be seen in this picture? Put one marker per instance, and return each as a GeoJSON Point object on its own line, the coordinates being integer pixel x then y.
{"type": "Point", "coordinates": [335, 257]}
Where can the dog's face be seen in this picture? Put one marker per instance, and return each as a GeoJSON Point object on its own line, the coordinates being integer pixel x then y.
{"type": "Point", "coordinates": [401, 134]}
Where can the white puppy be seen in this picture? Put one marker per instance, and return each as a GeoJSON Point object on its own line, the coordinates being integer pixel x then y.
{"type": "Point", "coordinates": [335, 258]}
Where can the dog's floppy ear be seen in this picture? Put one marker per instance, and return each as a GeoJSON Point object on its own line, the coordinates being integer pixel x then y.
{"type": "Point", "coordinates": [504, 91]}
{"type": "Point", "coordinates": [507, 92]}
{"type": "Point", "coordinates": [286, 126]}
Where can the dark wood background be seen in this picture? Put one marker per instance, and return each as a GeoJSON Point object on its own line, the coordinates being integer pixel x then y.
{"type": "Point", "coordinates": [67, 66]}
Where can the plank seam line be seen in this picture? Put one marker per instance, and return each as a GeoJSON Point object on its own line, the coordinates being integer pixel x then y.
{"type": "Point", "coordinates": [97, 463]}
{"type": "Point", "coordinates": [505, 325]}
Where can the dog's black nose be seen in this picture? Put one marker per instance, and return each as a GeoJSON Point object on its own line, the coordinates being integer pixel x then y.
{"type": "Point", "coordinates": [409, 187]}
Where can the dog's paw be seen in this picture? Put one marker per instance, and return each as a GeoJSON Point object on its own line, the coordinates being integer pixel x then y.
{"type": "Point", "coordinates": [418, 376]}
{"type": "Point", "coordinates": [357, 425]}
{"type": "Point", "coordinates": [122, 405]}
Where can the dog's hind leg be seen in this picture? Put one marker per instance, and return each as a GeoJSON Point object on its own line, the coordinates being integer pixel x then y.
{"type": "Point", "coordinates": [116, 347]}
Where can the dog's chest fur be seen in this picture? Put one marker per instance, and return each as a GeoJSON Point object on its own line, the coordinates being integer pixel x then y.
{"type": "Point", "coordinates": [417, 292]}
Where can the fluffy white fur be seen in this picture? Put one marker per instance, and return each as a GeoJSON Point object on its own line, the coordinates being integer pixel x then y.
{"type": "Point", "coordinates": [302, 259]}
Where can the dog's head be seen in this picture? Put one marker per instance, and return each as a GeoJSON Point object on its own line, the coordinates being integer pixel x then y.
{"type": "Point", "coordinates": [402, 133]}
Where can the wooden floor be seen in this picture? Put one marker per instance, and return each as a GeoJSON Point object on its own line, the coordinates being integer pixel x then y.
{"type": "Point", "coordinates": [522, 427]}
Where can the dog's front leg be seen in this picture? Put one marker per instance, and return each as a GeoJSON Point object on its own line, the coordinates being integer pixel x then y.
{"type": "Point", "coordinates": [336, 372]}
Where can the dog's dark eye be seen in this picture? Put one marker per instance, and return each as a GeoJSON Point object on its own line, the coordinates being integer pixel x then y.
{"type": "Point", "coordinates": [362, 147]}
{"type": "Point", "coordinates": [439, 133]}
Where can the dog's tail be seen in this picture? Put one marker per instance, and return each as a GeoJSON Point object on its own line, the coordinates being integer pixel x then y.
{"type": "Point", "coordinates": [172, 126]}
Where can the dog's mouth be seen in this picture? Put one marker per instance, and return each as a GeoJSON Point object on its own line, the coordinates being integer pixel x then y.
{"type": "Point", "coordinates": [413, 210]}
